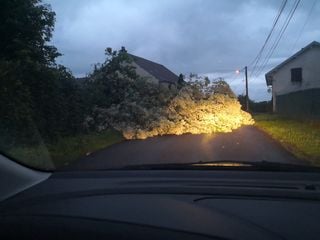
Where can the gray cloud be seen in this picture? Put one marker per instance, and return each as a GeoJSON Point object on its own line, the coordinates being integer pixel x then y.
{"type": "Point", "coordinates": [200, 36]}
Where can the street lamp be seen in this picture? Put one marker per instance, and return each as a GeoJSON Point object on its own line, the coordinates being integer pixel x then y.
{"type": "Point", "coordinates": [247, 94]}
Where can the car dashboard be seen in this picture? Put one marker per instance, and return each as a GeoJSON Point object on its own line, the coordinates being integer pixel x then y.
{"type": "Point", "coordinates": [166, 204]}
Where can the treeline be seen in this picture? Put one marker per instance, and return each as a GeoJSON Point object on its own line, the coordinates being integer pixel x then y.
{"type": "Point", "coordinates": [255, 107]}
{"type": "Point", "coordinates": [40, 100]}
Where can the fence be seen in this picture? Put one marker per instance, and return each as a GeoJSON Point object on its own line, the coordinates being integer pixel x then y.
{"type": "Point", "coordinates": [300, 104]}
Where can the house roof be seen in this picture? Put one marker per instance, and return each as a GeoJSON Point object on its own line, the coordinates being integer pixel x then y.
{"type": "Point", "coordinates": [155, 69]}
{"type": "Point", "coordinates": [294, 56]}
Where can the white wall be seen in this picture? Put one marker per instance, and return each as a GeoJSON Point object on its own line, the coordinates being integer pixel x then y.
{"type": "Point", "coordinates": [309, 61]}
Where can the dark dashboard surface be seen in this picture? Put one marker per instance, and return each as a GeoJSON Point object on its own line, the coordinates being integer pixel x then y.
{"type": "Point", "coordinates": [166, 205]}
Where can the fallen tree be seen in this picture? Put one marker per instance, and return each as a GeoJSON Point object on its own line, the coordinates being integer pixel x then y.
{"type": "Point", "coordinates": [147, 110]}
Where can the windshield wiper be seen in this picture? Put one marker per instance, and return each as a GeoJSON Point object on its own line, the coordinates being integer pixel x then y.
{"type": "Point", "coordinates": [229, 165]}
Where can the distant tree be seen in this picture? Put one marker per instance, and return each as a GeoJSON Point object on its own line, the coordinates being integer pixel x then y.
{"type": "Point", "coordinates": [222, 87]}
{"type": "Point", "coordinates": [181, 81]}
{"type": "Point", "coordinates": [256, 107]}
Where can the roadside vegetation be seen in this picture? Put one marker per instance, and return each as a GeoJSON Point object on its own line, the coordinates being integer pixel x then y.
{"type": "Point", "coordinates": [301, 137]}
{"type": "Point", "coordinates": [43, 106]}
{"type": "Point", "coordinates": [65, 150]}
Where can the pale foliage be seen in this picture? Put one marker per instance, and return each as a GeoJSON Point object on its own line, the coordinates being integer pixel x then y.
{"type": "Point", "coordinates": [198, 107]}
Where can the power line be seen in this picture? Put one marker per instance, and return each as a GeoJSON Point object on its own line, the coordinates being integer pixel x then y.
{"type": "Point", "coordinates": [274, 44]}
{"type": "Point", "coordinates": [275, 21]}
{"type": "Point", "coordinates": [279, 37]}
{"type": "Point", "coordinates": [304, 25]}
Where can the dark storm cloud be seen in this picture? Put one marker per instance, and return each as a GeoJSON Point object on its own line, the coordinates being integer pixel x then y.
{"type": "Point", "coordinates": [213, 37]}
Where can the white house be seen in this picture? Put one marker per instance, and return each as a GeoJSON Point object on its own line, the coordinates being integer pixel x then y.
{"type": "Point", "coordinates": [155, 72]}
{"type": "Point", "coordinates": [296, 83]}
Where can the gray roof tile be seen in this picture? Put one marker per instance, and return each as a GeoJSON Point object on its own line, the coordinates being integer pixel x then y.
{"type": "Point", "coordinates": [155, 69]}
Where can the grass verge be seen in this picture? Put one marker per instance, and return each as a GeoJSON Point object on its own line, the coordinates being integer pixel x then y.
{"type": "Point", "coordinates": [65, 150]}
{"type": "Point", "coordinates": [302, 138]}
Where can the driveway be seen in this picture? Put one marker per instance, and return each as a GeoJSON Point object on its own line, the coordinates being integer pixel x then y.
{"type": "Point", "coordinates": [244, 144]}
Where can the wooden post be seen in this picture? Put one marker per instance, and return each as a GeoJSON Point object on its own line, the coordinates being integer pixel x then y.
{"type": "Point", "coordinates": [247, 93]}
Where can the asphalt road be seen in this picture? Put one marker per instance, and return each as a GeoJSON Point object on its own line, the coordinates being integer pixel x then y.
{"type": "Point", "coordinates": [244, 144]}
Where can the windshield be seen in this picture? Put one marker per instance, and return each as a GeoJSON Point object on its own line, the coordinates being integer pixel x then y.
{"type": "Point", "coordinates": [117, 84]}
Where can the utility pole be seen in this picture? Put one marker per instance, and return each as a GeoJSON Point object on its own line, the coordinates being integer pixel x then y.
{"type": "Point", "coordinates": [247, 94]}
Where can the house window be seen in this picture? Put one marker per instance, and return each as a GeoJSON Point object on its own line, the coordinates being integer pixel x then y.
{"type": "Point", "coordinates": [296, 75]}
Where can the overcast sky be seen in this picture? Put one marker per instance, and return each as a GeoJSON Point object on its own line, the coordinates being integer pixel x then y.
{"type": "Point", "coordinates": [199, 36]}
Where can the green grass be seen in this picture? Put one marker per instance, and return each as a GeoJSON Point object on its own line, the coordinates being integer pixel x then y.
{"type": "Point", "coordinates": [65, 150]}
{"type": "Point", "coordinates": [302, 138]}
